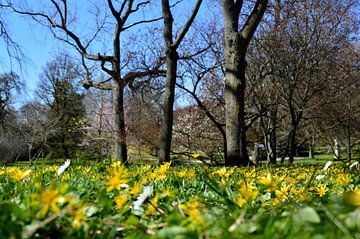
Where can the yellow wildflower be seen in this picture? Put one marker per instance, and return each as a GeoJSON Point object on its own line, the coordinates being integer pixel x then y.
{"type": "Point", "coordinates": [161, 172]}
{"type": "Point", "coordinates": [195, 155]}
{"type": "Point", "coordinates": [192, 209]}
{"type": "Point", "coordinates": [222, 172]}
{"type": "Point", "coordinates": [152, 206]}
{"type": "Point", "coordinates": [163, 169]}
{"type": "Point", "coordinates": [281, 195]}
{"type": "Point", "coordinates": [135, 190]}
{"type": "Point", "coordinates": [78, 217]}
{"type": "Point", "coordinates": [248, 192]}
{"type": "Point", "coordinates": [343, 179]}
{"type": "Point", "coordinates": [115, 182]}
{"type": "Point", "coordinates": [50, 198]}
{"type": "Point", "coordinates": [182, 173]}
{"type": "Point", "coordinates": [190, 174]}
{"type": "Point", "coordinates": [269, 183]}
{"type": "Point", "coordinates": [168, 192]}
{"type": "Point", "coordinates": [19, 175]}
{"type": "Point", "coordinates": [120, 201]}
{"type": "Point", "coordinates": [353, 197]}
{"type": "Point", "coordinates": [321, 189]}
{"type": "Point", "coordinates": [240, 201]}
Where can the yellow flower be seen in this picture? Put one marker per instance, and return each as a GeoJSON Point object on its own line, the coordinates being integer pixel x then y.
{"type": "Point", "coordinates": [269, 183]}
{"type": "Point", "coordinates": [321, 189]}
{"type": "Point", "coordinates": [195, 155]}
{"type": "Point", "coordinates": [281, 195]}
{"type": "Point", "coordinates": [163, 169]}
{"type": "Point", "coordinates": [115, 182]}
{"type": "Point", "coordinates": [190, 174]}
{"type": "Point", "coordinates": [222, 172]}
{"type": "Point", "coordinates": [182, 173]}
{"type": "Point", "coordinates": [19, 175]}
{"type": "Point", "coordinates": [152, 206]}
{"type": "Point", "coordinates": [161, 172]}
{"type": "Point", "coordinates": [120, 201]}
{"type": "Point", "coordinates": [240, 201]}
{"type": "Point", "coordinates": [168, 192]}
{"type": "Point", "coordinates": [248, 192]}
{"type": "Point", "coordinates": [353, 197]}
{"type": "Point", "coordinates": [135, 190]}
{"type": "Point", "coordinates": [78, 216]}
{"type": "Point", "coordinates": [192, 209]}
{"type": "Point", "coordinates": [50, 198]}
{"type": "Point", "coordinates": [343, 179]}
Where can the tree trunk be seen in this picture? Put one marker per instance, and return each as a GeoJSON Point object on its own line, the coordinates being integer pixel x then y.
{"type": "Point", "coordinates": [273, 137]}
{"type": "Point", "coordinates": [172, 58]}
{"type": "Point", "coordinates": [236, 43]}
{"type": "Point", "coordinates": [292, 144]}
{"type": "Point", "coordinates": [235, 101]}
{"type": "Point", "coordinates": [337, 153]}
{"type": "Point", "coordinates": [311, 147]}
{"type": "Point", "coordinates": [120, 149]}
{"type": "Point", "coordinates": [167, 121]}
{"type": "Point", "coordinates": [349, 146]}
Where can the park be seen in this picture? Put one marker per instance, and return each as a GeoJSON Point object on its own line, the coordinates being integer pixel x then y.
{"type": "Point", "coordinates": [179, 119]}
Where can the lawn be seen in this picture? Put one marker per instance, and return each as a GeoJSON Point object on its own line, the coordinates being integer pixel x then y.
{"type": "Point", "coordinates": [108, 200]}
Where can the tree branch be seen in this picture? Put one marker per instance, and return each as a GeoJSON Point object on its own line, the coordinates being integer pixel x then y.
{"type": "Point", "coordinates": [187, 25]}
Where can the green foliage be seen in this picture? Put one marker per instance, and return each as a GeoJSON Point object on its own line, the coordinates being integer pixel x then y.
{"type": "Point", "coordinates": [97, 200]}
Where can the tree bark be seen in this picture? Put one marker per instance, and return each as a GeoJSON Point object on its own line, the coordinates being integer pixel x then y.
{"type": "Point", "coordinates": [172, 58]}
{"type": "Point", "coordinates": [120, 149]}
{"type": "Point", "coordinates": [235, 46]}
{"type": "Point", "coordinates": [167, 121]}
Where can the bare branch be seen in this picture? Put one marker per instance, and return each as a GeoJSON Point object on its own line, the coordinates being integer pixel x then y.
{"type": "Point", "coordinates": [187, 25]}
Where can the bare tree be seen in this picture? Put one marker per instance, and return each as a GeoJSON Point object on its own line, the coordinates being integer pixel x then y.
{"type": "Point", "coordinates": [172, 58]}
{"type": "Point", "coordinates": [236, 42]}
{"type": "Point", "coordinates": [13, 50]}
{"type": "Point", "coordinates": [59, 17]}
{"type": "Point", "coordinates": [8, 84]}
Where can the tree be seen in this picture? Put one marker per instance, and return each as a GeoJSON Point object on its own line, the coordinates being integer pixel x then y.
{"type": "Point", "coordinates": [13, 50]}
{"type": "Point", "coordinates": [338, 118]}
{"type": "Point", "coordinates": [36, 128]}
{"type": "Point", "coordinates": [172, 58]}
{"type": "Point", "coordinates": [8, 84]}
{"type": "Point", "coordinates": [65, 107]}
{"type": "Point", "coordinates": [59, 17]}
{"type": "Point", "coordinates": [236, 42]}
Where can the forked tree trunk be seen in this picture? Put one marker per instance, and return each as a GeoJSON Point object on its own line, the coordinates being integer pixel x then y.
{"type": "Point", "coordinates": [172, 58]}
{"type": "Point", "coordinates": [236, 42]}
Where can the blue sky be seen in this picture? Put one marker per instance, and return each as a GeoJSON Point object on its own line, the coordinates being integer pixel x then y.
{"type": "Point", "coordinates": [39, 46]}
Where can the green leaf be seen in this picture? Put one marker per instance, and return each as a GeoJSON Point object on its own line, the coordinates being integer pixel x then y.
{"type": "Point", "coordinates": [307, 214]}
{"type": "Point", "coordinates": [132, 221]}
{"type": "Point", "coordinates": [171, 232]}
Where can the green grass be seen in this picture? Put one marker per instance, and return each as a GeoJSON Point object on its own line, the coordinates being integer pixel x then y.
{"type": "Point", "coordinates": [95, 200]}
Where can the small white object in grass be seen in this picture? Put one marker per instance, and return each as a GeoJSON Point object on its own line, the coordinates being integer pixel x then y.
{"type": "Point", "coordinates": [63, 167]}
{"type": "Point", "coordinates": [319, 177]}
{"type": "Point", "coordinates": [327, 165]}
{"type": "Point", "coordinates": [141, 199]}
{"type": "Point", "coordinates": [356, 165]}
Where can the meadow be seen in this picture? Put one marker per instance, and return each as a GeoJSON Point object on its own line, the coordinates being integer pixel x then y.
{"type": "Point", "coordinates": [109, 200]}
